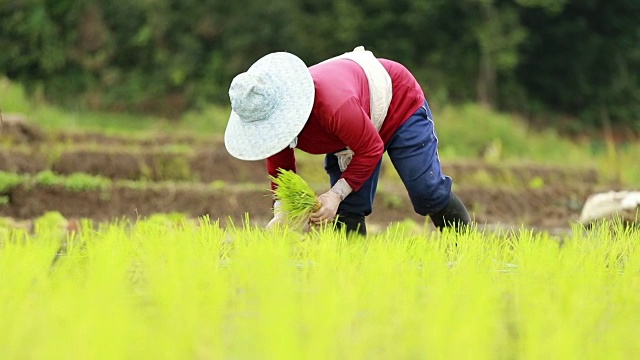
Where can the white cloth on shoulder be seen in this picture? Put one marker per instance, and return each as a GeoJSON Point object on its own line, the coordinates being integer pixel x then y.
{"type": "Point", "coordinates": [380, 90]}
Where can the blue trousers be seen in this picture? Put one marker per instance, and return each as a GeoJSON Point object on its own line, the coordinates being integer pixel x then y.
{"type": "Point", "coordinates": [413, 151]}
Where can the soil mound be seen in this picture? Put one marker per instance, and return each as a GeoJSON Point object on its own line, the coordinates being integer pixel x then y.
{"type": "Point", "coordinates": [552, 207]}
{"type": "Point", "coordinates": [176, 173]}
{"type": "Point", "coordinates": [16, 127]}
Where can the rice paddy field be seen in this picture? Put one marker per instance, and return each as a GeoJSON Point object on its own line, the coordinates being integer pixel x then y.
{"type": "Point", "coordinates": [166, 287]}
{"type": "Point", "coordinates": [123, 237]}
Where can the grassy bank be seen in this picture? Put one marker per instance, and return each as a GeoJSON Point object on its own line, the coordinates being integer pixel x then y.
{"type": "Point", "coordinates": [465, 132]}
{"type": "Point", "coordinates": [168, 288]}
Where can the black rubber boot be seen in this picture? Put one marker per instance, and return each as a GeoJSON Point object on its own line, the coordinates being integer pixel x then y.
{"type": "Point", "coordinates": [454, 215]}
{"type": "Point", "coordinates": [354, 224]}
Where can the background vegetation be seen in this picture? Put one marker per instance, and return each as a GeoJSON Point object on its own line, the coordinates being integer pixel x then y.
{"type": "Point", "coordinates": [577, 59]}
{"type": "Point", "coordinates": [503, 139]}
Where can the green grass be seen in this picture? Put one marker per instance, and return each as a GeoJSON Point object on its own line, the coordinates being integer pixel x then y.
{"type": "Point", "coordinates": [471, 130]}
{"type": "Point", "coordinates": [13, 98]}
{"type": "Point", "coordinates": [86, 182]}
{"type": "Point", "coordinates": [73, 182]}
{"type": "Point", "coordinates": [210, 121]}
{"type": "Point", "coordinates": [166, 287]}
{"type": "Point", "coordinates": [9, 180]}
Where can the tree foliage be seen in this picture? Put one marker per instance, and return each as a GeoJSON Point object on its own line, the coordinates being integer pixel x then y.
{"type": "Point", "coordinates": [579, 57]}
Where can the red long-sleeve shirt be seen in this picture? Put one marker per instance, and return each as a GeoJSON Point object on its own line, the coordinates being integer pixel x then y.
{"type": "Point", "coordinates": [340, 117]}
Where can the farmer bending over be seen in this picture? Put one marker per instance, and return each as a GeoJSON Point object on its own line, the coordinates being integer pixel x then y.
{"type": "Point", "coordinates": [352, 108]}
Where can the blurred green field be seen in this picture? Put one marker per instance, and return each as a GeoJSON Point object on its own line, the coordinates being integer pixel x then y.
{"type": "Point", "coordinates": [170, 288]}
{"type": "Point", "coordinates": [465, 132]}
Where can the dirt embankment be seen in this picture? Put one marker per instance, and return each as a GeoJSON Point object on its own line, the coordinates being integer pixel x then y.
{"type": "Point", "coordinates": [550, 207]}
{"type": "Point", "coordinates": [527, 194]}
{"type": "Point", "coordinates": [208, 164]}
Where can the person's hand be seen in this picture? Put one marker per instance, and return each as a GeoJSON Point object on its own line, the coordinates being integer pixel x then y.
{"type": "Point", "coordinates": [330, 202]}
{"type": "Point", "coordinates": [277, 220]}
{"type": "Point", "coordinates": [278, 216]}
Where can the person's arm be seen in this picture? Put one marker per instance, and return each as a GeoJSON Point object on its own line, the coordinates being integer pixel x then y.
{"type": "Point", "coordinates": [285, 160]}
{"type": "Point", "coordinates": [352, 125]}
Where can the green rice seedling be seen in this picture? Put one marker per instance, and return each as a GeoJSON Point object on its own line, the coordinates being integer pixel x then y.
{"type": "Point", "coordinates": [297, 198]}
{"type": "Point", "coordinates": [167, 288]}
{"type": "Point", "coordinates": [24, 268]}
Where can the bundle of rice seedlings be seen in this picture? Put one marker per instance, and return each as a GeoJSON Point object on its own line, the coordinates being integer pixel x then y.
{"type": "Point", "coordinates": [296, 197]}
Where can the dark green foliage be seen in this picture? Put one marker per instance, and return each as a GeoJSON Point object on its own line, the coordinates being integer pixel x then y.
{"type": "Point", "coordinates": [585, 60]}
{"type": "Point", "coordinates": [578, 57]}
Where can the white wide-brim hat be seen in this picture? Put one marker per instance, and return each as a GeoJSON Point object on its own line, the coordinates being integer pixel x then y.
{"type": "Point", "coordinates": [270, 104]}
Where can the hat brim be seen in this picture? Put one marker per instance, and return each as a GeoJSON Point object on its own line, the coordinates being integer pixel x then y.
{"type": "Point", "coordinates": [257, 140]}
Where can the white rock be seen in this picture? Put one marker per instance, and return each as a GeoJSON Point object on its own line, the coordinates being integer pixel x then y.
{"type": "Point", "coordinates": [611, 204]}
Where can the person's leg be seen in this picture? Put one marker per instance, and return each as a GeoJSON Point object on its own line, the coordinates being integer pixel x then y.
{"type": "Point", "coordinates": [357, 205]}
{"type": "Point", "coordinates": [413, 150]}
{"type": "Point", "coordinates": [454, 215]}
